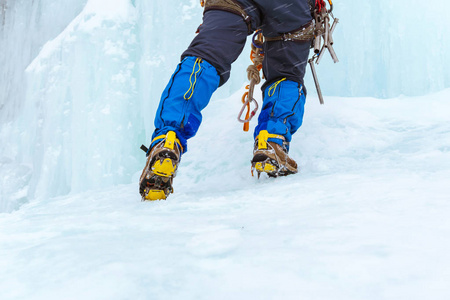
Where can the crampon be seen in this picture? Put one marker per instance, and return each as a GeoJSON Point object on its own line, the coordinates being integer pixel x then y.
{"type": "Point", "coordinates": [271, 158]}
{"type": "Point", "coordinates": [157, 177]}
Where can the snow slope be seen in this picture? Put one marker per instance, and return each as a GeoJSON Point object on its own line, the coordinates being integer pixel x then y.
{"type": "Point", "coordinates": [81, 79]}
{"type": "Point", "coordinates": [366, 218]}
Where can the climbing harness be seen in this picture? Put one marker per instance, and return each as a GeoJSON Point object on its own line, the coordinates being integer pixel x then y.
{"type": "Point", "coordinates": [322, 17]}
{"type": "Point", "coordinates": [304, 33]}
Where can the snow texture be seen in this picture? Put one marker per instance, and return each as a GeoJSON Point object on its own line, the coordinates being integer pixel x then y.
{"type": "Point", "coordinates": [366, 217]}
{"type": "Point", "coordinates": [95, 70]}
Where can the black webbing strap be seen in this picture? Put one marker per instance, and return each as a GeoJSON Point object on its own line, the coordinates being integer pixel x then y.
{"type": "Point", "coordinates": [304, 33]}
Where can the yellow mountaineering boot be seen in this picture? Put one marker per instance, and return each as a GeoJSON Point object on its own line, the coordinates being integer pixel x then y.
{"type": "Point", "coordinates": [161, 167]}
{"type": "Point", "coordinates": [271, 158]}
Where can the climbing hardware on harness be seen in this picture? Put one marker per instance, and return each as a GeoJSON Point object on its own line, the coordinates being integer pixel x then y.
{"type": "Point", "coordinates": [323, 31]}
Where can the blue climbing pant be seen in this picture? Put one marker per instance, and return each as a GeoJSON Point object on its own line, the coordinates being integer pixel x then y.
{"type": "Point", "coordinates": [188, 92]}
{"type": "Point", "coordinates": [206, 65]}
{"type": "Point", "coordinates": [282, 111]}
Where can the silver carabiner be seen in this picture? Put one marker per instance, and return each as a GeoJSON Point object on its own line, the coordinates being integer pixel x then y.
{"type": "Point", "coordinates": [253, 112]}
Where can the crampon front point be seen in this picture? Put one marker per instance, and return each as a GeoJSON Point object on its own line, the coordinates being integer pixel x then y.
{"type": "Point", "coordinates": [155, 187]}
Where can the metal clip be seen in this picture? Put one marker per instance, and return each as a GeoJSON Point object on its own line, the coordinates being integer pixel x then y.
{"type": "Point", "coordinates": [317, 43]}
{"type": "Point", "coordinates": [316, 80]}
{"type": "Point", "coordinates": [335, 22]}
{"type": "Point", "coordinates": [326, 22]}
{"type": "Point", "coordinates": [331, 42]}
{"type": "Point", "coordinates": [325, 32]}
{"type": "Point", "coordinates": [253, 112]}
{"type": "Point", "coordinates": [247, 102]}
{"type": "Point", "coordinates": [328, 37]}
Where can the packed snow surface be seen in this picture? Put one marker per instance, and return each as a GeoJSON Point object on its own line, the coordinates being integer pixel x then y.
{"type": "Point", "coordinates": [81, 79]}
{"type": "Point", "coordinates": [366, 217]}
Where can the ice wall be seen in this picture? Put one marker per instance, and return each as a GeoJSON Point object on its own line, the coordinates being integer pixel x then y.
{"type": "Point", "coordinates": [81, 102]}
{"type": "Point", "coordinates": [90, 97]}
{"type": "Point", "coordinates": [25, 26]}
{"type": "Point", "coordinates": [388, 48]}
{"type": "Point", "coordinates": [75, 119]}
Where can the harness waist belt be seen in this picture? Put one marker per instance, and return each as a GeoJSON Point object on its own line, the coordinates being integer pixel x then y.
{"type": "Point", "coordinates": [304, 33]}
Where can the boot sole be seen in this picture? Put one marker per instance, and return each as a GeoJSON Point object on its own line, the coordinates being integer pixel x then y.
{"type": "Point", "coordinates": [264, 164]}
{"type": "Point", "coordinates": [157, 185]}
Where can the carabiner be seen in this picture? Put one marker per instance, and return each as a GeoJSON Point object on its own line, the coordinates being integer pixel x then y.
{"type": "Point", "coordinates": [252, 113]}
{"type": "Point", "coordinates": [257, 39]}
{"type": "Point", "coordinates": [331, 6]}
